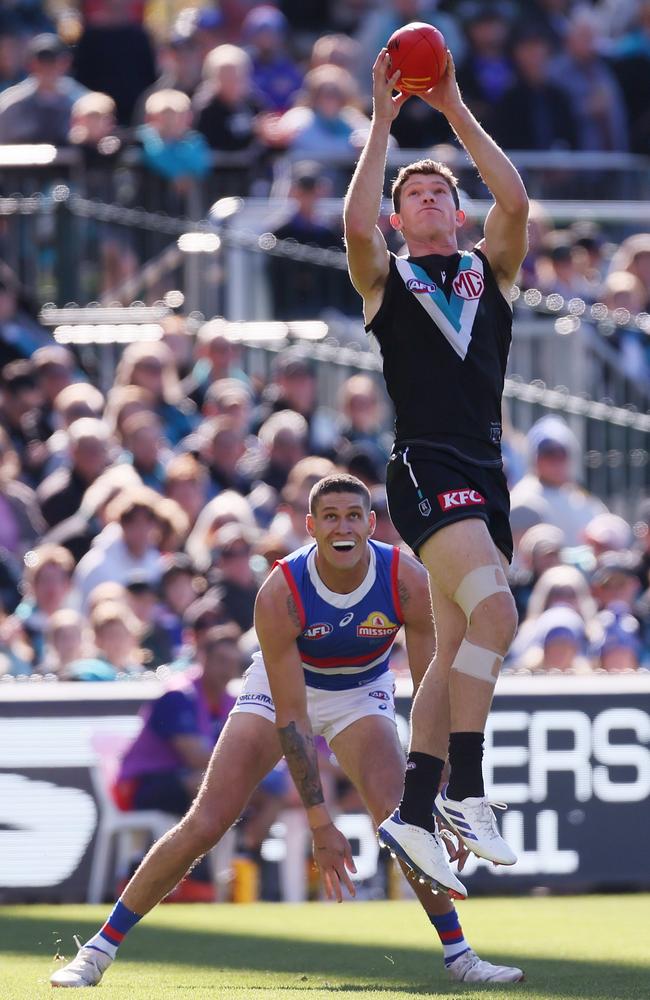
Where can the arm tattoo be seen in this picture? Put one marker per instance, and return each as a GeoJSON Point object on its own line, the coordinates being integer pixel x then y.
{"type": "Point", "coordinates": [293, 612]}
{"type": "Point", "coordinates": [403, 591]}
{"type": "Point", "coordinates": [302, 759]}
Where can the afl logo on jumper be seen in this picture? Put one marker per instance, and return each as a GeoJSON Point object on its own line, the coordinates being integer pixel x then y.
{"type": "Point", "coordinates": [460, 498]}
{"type": "Point", "coordinates": [376, 626]}
{"type": "Point", "coordinates": [468, 284]}
{"type": "Point", "coordinates": [318, 631]}
{"type": "Point", "coordinates": [420, 287]}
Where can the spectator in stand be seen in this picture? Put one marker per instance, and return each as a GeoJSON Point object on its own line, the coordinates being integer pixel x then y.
{"type": "Point", "coordinates": [164, 766]}
{"type": "Point", "coordinates": [608, 533]}
{"type": "Point", "coordinates": [150, 366]}
{"type": "Point", "coordinates": [180, 60]}
{"type": "Point", "coordinates": [299, 288]}
{"type": "Point", "coordinates": [21, 522]}
{"type": "Point", "coordinates": [174, 526]}
{"type": "Point", "coordinates": [615, 581]}
{"type": "Point", "coordinates": [186, 482]}
{"type": "Point", "coordinates": [559, 586]}
{"type": "Point", "coordinates": [80, 399]}
{"type": "Point", "coordinates": [47, 584]}
{"type": "Point", "coordinates": [554, 451]}
{"type": "Point", "coordinates": [20, 334]}
{"type": "Point", "coordinates": [556, 269]}
{"type": "Point", "coordinates": [145, 449]}
{"type": "Point", "coordinates": [116, 635]}
{"type": "Point", "coordinates": [559, 644]}
{"type": "Point", "coordinates": [631, 63]}
{"type": "Point", "coordinates": [128, 543]}
{"type": "Point", "coordinates": [232, 573]}
{"type": "Point", "coordinates": [180, 586]}
{"type": "Point", "coordinates": [336, 50]}
{"type": "Point", "coordinates": [328, 123]}
{"type": "Point", "coordinates": [124, 400]}
{"type": "Point", "coordinates": [633, 255]}
{"type": "Point", "coordinates": [294, 386]}
{"type": "Point", "coordinates": [217, 357]}
{"type": "Point", "coordinates": [222, 449]}
{"type": "Point", "coordinates": [171, 149]}
{"type": "Point", "coordinates": [53, 371]}
{"type": "Point", "coordinates": [224, 104]}
{"type": "Point", "coordinates": [78, 533]}
{"type": "Point", "coordinates": [539, 549]}
{"type": "Point", "coordinates": [618, 647]}
{"type": "Point", "coordinates": [65, 642]}
{"type": "Point", "coordinates": [20, 403]}
{"type": "Point", "coordinates": [276, 78]}
{"type": "Point", "coordinates": [589, 84]}
{"type": "Point", "coordinates": [533, 113]}
{"type": "Point", "coordinates": [111, 27]}
{"type": "Point", "coordinates": [178, 334]}
{"type": "Point", "coordinates": [230, 398]}
{"type": "Point", "coordinates": [38, 109]}
{"type": "Point", "coordinates": [283, 437]}
{"type": "Point", "coordinates": [486, 72]}
{"type": "Point", "coordinates": [60, 495]}
{"type": "Point", "coordinates": [202, 615]}
{"type": "Point", "coordinates": [625, 295]}
{"type": "Point", "coordinates": [142, 599]}
{"type": "Point", "coordinates": [288, 525]}
{"type": "Point", "coordinates": [362, 409]}
{"type": "Point", "coordinates": [228, 506]}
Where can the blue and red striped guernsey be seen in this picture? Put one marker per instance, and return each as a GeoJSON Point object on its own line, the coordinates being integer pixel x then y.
{"type": "Point", "coordinates": [346, 638]}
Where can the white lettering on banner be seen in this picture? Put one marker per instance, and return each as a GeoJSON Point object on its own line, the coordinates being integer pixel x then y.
{"type": "Point", "coordinates": [52, 827]}
{"type": "Point", "coordinates": [621, 755]}
{"type": "Point", "coordinates": [506, 756]}
{"type": "Point", "coordinates": [544, 761]}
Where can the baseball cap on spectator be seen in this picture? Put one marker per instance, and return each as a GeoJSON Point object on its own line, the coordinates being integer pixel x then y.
{"type": "Point", "coordinates": [524, 516]}
{"type": "Point", "coordinates": [47, 46]}
{"type": "Point", "coordinates": [139, 583]}
{"type": "Point", "coordinates": [263, 18]}
{"type": "Point", "coordinates": [551, 434]}
{"type": "Point", "coordinates": [306, 174]}
{"type": "Point", "coordinates": [173, 563]}
{"type": "Point", "coordinates": [293, 361]}
{"type": "Point", "coordinates": [615, 563]}
{"type": "Point", "coordinates": [560, 623]}
{"type": "Point", "coordinates": [620, 630]}
{"type": "Point", "coordinates": [609, 532]}
{"type": "Point", "coordinates": [206, 611]}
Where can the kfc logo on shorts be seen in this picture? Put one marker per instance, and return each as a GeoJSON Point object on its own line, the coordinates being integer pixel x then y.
{"type": "Point", "coordinates": [460, 498]}
{"type": "Point", "coordinates": [420, 287]}
{"type": "Point", "coordinates": [468, 284]}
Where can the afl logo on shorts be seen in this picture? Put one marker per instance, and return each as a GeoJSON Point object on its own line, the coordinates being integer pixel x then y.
{"type": "Point", "coordinates": [468, 284]}
{"type": "Point", "coordinates": [318, 631]}
{"type": "Point", "coordinates": [420, 287]}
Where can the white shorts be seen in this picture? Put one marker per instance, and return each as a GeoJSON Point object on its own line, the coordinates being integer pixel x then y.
{"type": "Point", "coordinates": [330, 712]}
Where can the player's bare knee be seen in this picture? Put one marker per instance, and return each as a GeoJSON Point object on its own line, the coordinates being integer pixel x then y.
{"type": "Point", "coordinates": [203, 830]}
{"type": "Point", "coordinates": [494, 622]}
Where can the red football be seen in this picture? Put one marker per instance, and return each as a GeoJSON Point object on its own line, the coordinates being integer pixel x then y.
{"type": "Point", "coordinates": [419, 51]}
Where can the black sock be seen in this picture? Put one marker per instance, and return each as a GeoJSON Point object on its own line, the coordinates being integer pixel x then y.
{"type": "Point", "coordinates": [421, 781]}
{"type": "Point", "coordinates": [465, 760]}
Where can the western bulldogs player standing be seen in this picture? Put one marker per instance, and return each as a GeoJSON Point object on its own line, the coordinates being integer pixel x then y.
{"type": "Point", "coordinates": [326, 617]}
{"type": "Point", "coordinates": [443, 322]}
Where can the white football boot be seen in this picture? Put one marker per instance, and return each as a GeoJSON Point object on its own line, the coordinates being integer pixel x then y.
{"type": "Point", "coordinates": [86, 969]}
{"type": "Point", "coordinates": [422, 852]}
{"type": "Point", "coordinates": [474, 822]}
{"type": "Point", "coordinates": [469, 968]}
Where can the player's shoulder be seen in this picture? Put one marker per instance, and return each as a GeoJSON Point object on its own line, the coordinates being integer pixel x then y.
{"type": "Point", "coordinates": [412, 571]}
{"type": "Point", "coordinates": [276, 604]}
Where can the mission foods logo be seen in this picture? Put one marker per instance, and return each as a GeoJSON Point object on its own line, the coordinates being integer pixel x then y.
{"type": "Point", "coordinates": [376, 626]}
{"type": "Point", "coordinates": [318, 631]}
{"type": "Point", "coordinates": [468, 284]}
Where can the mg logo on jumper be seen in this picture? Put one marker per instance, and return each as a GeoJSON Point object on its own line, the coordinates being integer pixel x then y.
{"type": "Point", "coordinates": [460, 498]}
{"type": "Point", "coordinates": [420, 287]}
{"type": "Point", "coordinates": [468, 284]}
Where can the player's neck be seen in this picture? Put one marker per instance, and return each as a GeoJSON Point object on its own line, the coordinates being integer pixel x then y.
{"type": "Point", "coordinates": [342, 581]}
{"type": "Point", "coordinates": [423, 248]}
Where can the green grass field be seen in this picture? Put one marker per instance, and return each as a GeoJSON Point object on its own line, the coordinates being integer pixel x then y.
{"type": "Point", "coordinates": [587, 947]}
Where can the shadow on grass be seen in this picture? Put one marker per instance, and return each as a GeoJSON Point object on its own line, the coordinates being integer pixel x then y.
{"type": "Point", "coordinates": [410, 970]}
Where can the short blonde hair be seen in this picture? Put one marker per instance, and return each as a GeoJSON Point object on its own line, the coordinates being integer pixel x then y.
{"type": "Point", "coordinates": [94, 103]}
{"type": "Point", "coordinates": [225, 55]}
{"type": "Point", "coordinates": [167, 100]}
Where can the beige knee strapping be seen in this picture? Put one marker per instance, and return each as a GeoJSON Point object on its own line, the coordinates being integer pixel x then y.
{"type": "Point", "coordinates": [479, 584]}
{"type": "Point", "coordinates": [483, 664]}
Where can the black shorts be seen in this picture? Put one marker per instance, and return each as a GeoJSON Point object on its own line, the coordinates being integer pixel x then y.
{"type": "Point", "coordinates": [429, 488]}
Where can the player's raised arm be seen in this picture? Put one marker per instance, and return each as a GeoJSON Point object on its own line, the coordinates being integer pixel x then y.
{"type": "Point", "coordinates": [506, 224]}
{"type": "Point", "coordinates": [277, 623]}
{"type": "Point", "coordinates": [365, 244]}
